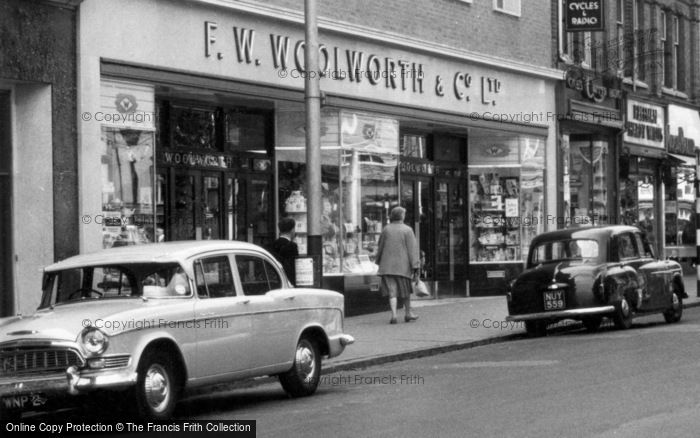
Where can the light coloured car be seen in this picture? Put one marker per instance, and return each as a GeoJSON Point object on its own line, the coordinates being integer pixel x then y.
{"type": "Point", "coordinates": [152, 321]}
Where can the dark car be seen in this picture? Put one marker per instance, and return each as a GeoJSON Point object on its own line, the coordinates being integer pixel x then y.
{"type": "Point", "coordinates": [589, 273]}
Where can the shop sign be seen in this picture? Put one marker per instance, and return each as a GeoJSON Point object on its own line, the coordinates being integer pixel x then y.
{"type": "Point", "coordinates": [645, 124]}
{"type": "Point", "coordinates": [339, 64]}
{"type": "Point", "coordinates": [369, 133]}
{"type": "Point", "coordinates": [125, 105]}
{"type": "Point", "coordinates": [683, 130]}
{"type": "Point", "coordinates": [417, 168]}
{"type": "Point", "coordinates": [591, 87]}
{"type": "Point", "coordinates": [678, 144]}
{"type": "Point", "coordinates": [584, 16]}
{"type": "Point", "coordinates": [196, 160]}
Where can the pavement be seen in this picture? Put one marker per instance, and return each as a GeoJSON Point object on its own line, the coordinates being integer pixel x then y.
{"type": "Point", "coordinates": [444, 325]}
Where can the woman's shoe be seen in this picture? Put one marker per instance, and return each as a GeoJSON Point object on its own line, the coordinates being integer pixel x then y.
{"type": "Point", "coordinates": [409, 318]}
{"type": "Point", "coordinates": [393, 321]}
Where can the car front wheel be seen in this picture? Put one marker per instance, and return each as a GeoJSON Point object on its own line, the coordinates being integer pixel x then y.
{"type": "Point", "coordinates": [156, 388]}
{"type": "Point", "coordinates": [675, 313]}
{"type": "Point", "coordinates": [623, 314]}
{"type": "Point", "coordinates": [303, 378]}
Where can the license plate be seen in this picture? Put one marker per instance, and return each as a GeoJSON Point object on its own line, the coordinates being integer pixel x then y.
{"type": "Point", "coordinates": [554, 300]}
{"type": "Point", "coordinates": [24, 401]}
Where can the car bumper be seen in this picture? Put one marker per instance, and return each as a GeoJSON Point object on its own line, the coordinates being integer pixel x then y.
{"type": "Point", "coordinates": [563, 314]}
{"type": "Point", "coordinates": [73, 382]}
{"type": "Point", "coordinates": [337, 344]}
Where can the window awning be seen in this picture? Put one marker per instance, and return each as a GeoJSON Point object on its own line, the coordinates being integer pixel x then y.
{"type": "Point", "coordinates": [680, 160]}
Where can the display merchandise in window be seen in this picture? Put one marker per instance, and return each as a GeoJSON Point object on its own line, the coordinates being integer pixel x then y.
{"type": "Point", "coordinates": [506, 196]}
{"type": "Point", "coordinates": [127, 187]}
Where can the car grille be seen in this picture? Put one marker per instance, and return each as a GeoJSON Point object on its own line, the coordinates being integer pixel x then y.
{"type": "Point", "coordinates": [116, 361]}
{"type": "Point", "coordinates": [28, 361]}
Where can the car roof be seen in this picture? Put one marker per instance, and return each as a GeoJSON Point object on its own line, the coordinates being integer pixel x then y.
{"type": "Point", "coordinates": [584, 233]}
{"type": "Point", "coordinates": [165, 252]}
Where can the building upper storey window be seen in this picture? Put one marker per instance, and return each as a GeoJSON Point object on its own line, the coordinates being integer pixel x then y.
{"type": "Point", "coordinates": [511, 7]}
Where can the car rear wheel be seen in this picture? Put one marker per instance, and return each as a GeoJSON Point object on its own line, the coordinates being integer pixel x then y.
{"type": "Point", "coordinates": [592, 323]}
{"type": "Point", "coordinates": [303, 378]}
{"type": "Point", "coordinates": [156, 389]}
{"type": "Point", "coordinates": [623, 314]}
{"type": "Point", "coordinates": [536, 329]}
{"type": "Point", "coordinates": [675, 313]}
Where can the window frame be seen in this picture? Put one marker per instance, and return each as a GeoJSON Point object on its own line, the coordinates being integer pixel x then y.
{"type": "Point", "coordinates": [507, 7]}
{"type": "Point", "coordinates": [199, 263]}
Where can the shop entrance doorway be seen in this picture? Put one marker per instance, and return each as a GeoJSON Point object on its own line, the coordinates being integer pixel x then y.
{"type": "Point", "coordinates": [450, 236]}
{"type": "Point", "coordinates": [206, 205]}
{"type": "Point", "coordinates": [417, 199]}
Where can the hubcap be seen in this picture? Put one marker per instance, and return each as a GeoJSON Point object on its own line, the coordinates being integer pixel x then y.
{"type": "Point", "coordinates": [676, 302]}
{"type": "Point", "coordinates": [624, 307]}
{"type": "Point", "coordinates": [157, 387]}
{"type": "Point", "coordinates": [306, 364]}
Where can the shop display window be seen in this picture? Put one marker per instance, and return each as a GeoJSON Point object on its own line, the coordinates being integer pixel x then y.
{"type": "Point", "coordinates": [588, 178]}
{"type": "Point", "coordinates": [506, 196]}
{"type": "Point", "coordinates": [679, 205]}
{"type": "Point", "coordinates": [193, 127]}
{"type": "Point", "coordinates": [127, 187]}
{"type": "Point", "coordinates": [359, 155]}
{"type": "Point", "coordinates": [638, 196]}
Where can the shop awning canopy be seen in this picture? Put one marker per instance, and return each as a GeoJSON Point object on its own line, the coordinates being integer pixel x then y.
{"type": "Point", "coordinates": [680, 160]}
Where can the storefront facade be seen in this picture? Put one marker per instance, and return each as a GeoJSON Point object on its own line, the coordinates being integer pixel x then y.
{"type": "Point", "coordinates": [680, 219]}
{"type": "Point", "coordinates": [201, 136]}
{"type": "Point", "coordinates": [590, 129]}
{"type": "Point", "coordinates": [643, 165]}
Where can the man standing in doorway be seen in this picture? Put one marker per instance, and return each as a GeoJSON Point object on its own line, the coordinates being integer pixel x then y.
{"type": "Point", "coordinates": [284, 248]}
{"type": "Point", "coordinates": [399, 262]}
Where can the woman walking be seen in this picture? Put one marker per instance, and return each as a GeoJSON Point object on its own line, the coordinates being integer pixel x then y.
{"type": "Point", "coordinates": [399, 262]}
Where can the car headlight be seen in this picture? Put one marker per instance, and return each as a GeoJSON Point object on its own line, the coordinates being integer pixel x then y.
{"type": "Point", "coordinates": [94, 341]}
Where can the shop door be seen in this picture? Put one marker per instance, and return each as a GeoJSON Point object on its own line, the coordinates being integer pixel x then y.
{"type": "Point", "coordinates": [194, 211]}
{"type": "Point", "coordinates": [451, 238]}
{"type": "Point", "coordinates": [416, 198]}
{"type": "Point", "coordinates": [249, 208]}
{"type": "Point", "coordinates": [208, 205]}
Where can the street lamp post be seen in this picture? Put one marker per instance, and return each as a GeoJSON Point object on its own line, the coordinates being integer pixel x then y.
{"type": "Point", "coordinates": [312, 94]}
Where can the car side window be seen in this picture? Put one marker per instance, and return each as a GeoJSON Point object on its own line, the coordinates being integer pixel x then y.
{"type": "Point", "coordinates": [258, 276]}
{"type": "Point", "coordinates": [627, 246]}
{"type": "Point", "coordinates": [214, 278]}
{"type": "Point", "coordinates": [644, 246]}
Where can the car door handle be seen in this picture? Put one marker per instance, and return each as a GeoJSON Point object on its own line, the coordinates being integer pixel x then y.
{"type": "Point", "coordinates": [289, 298]}
{"type": "Point", "coordinates": [245, 301]}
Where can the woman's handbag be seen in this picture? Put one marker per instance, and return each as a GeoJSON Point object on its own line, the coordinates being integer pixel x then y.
{"type": "Point", "coordinates": [420, 289]}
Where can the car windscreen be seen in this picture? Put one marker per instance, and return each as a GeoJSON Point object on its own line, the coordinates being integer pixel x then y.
{"type": "Point", "coordinates": [583, 250]}
{"type": "Point", "coordinates": [149, 280]}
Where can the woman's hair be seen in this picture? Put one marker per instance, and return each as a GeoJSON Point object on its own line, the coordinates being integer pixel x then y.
{"type": "Point", "coordinates": [397, 214]}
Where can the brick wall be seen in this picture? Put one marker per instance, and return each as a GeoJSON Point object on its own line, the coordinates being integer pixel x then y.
{"type": "Point", "coordinates": [470, 26]}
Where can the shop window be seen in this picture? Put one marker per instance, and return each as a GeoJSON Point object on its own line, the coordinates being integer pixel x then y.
{"type": "Point", "coordinates": [679, 212]}
{"type": "Point", "coordinates": [638, 195]}
{"type": "Point", "coordinates": [511, 7]}
{"type": "Point", "coordinates": [127, 186]}
{"type": "Point", "coordinates": [413, 146]}
{"type": "Point", "coordinates": [506, 195]}
{"type": "Point", "coordinates": [588, 176]}
{"type": "Point", "coordinates": [247, 131]}
{"type": "Point", "coordinates": [359, 184]}
{"type": "Point", "coordinates": [193, 128]}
